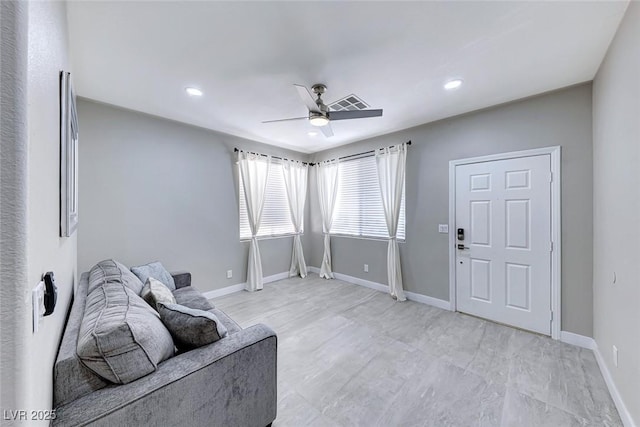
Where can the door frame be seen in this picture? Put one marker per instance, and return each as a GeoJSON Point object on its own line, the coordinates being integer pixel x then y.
{"type": "Point", "coordinates": [556, 225]}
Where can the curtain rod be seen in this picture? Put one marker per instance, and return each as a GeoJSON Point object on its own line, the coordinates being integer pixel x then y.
{"type": "Point", "coordinates": [339, 158]}
{"type": "Point", "coordinates": [235, 150]}
{"type": "Point", "coordinates": [365, 152]}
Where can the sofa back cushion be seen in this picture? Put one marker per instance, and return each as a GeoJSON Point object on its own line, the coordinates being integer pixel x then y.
{"type": "Point", "coordinates": [111, 271]}
{"type": "Point", "coordinates": [121, 337]}
{"type": "Point", "coordinates": [157, 271]}
{"type": "Point", "coordinates": [71, 378]}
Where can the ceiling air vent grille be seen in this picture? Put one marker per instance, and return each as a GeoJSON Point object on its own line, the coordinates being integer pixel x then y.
{"type": "Point", "coordinates": [350, 102]}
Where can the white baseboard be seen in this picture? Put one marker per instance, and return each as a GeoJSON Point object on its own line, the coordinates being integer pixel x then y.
{"type": "Point", "coordinates": [577, 340]}
{"type": "Point", "coordinates": [625, 416]}
{"type": "Point", "coordinates": [223, 291]}
{"type": "Point", "coordinates": [362, 282]}
{"type": "Point", "coordinates": [424, 299]}
{"type": "Point", "coordinates": [445, 305]}
{"type": "Point", "coordinates": [240, 286]}
{"type": "Point", "coordinates": [590, 343]}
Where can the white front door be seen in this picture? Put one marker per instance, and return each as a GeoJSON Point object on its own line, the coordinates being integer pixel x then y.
{"type": "Point", "coordinates": [503, 241]}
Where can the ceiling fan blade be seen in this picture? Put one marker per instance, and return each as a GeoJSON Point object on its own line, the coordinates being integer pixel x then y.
{"type": "Point", "coordinates": [286, 120]}
{"type": "Point", "coordinates": [326, 130]}
{"type": "Point", "coordinates": [354, 114]}
{"type": "Point", "coordinates": [306, 97]}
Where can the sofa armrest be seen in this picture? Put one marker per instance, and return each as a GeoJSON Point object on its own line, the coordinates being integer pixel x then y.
{"type": "Point", "coordinates": [230, 382]}
{"type": "Point", "coordinates": [181, 278]}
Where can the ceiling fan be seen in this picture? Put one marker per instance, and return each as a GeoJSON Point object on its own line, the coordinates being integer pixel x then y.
{"type": "Point", "coordinates": [319, 114]}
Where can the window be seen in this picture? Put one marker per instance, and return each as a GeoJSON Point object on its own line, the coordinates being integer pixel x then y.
{"type": "Point", "coordinates": [359, 210]}
{"type": "Point", "coordinates": [276, 218]}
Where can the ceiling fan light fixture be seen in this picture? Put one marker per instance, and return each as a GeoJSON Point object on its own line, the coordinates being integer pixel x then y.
{"type": "Point", "coordinates": [453, 84]}
{"type": "Point", "coordinates": [318, 120]}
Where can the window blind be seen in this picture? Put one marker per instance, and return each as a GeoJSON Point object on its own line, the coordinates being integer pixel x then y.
{"type": "Point", "coordinates": [359, 210]}
{"type": "Point", "coordinates": [276, 218]}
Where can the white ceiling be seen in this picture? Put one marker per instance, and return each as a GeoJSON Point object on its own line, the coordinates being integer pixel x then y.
{"type": "Point", "coordinates": [394, 55]}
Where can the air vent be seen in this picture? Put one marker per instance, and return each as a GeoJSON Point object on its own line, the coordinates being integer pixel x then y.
{"type": "Point", "coordinates": [350, 102]}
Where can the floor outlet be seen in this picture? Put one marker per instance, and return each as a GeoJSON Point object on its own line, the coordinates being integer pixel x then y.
{"type": "Point", "coordinates": [366, 268]}
{"type": "Point", "coordinates": [615, 356]}
{"type": "Point", "coordinates": [229, 274]}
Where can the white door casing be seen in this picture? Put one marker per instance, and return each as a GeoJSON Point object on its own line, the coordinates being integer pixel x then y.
{"type": "Point", "coordinates": [507, 268]}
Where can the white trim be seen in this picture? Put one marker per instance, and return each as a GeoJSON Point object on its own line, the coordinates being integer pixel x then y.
{"type": "Point", "coordinates": [362, 282]}
{"type": "Point", "coordinates": [315, 270]}
{"type": "Point", "coordinates": [240, 286]}
{"type": "Point", "coordinates": [556, 223]}
{"type": "Point", "coordinates": [625, 416]}
{"type": "Point", "coordinates": [590, 343]}
{"type": "Point", "coordinates": [423, 299]}
{"type": "Point", "coordinates": [577, 340]}
{"type": "Point", "coordinates": [224, 291]}
{"type": "Point", "coordinates": [276, 277]}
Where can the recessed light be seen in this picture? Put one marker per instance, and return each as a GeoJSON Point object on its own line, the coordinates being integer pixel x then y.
{"type": "Point", "coordinates": [312, 133]}
{"type": "Point", "coordinates": [453, 84]}
{"type": "Point", "coordinates": [192, 91]}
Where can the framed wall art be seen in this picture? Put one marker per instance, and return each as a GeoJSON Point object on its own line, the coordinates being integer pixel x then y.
{"type": "Point", "coordinates": [68, 157]}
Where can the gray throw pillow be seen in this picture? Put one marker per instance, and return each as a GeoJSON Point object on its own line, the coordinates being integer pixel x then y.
{"type": "Point", "coordinates": [155, 270]}
{"type": "Point", "coordinates": [155, 291]}
{"type": "Point", "coordinates": [189, 327]}
{"type": "Point", "coordinates": [111, 271]}
{"type": "Point", "coordinates": [121, 338]}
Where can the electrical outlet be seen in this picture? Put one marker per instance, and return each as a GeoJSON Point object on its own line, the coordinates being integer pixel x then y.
{"type": "Point", "coordinates": [37, 301]}
{"type": "Point", "coordinates": [615, 356]}
{"type": "Point", "coordinates": [443, 228]}
{"type": "Point", "coordinates": [229, 274]}
{"type": "Point", "coordinates": [366, 268]}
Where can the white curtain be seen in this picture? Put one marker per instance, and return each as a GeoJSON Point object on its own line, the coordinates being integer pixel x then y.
{"type": "Point", "coordinates": [391, 164]}
{"type": "Point", "coordinates": [254, 170]}
{"type": "Point", "coordinates": [295, 182]}
{"type": "Point", "coordinates": [327, 193]}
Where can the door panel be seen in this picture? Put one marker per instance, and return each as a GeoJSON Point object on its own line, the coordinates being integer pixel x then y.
{"type": "Point", "coordinates": [504, 271]}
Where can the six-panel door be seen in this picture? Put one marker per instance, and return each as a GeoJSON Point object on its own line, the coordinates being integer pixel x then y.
{"type": "Point", "coordinates": [503, 269]}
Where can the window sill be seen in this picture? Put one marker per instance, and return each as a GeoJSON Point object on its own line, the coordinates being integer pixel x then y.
{"type": "Point", "coordinates": [276, 236]}
{"type": "Point", "coordinates": [379, 239]}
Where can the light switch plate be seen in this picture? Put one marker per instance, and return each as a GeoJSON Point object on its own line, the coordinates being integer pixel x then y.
{"type": "Point", "coordinates": [37, 300]}
{"type": "Point", "coordinates": [229, 274]}
{"type": "Point", "coordinates": [443, 228]}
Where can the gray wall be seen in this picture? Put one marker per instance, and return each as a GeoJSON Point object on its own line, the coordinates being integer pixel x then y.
{"type": "Point", "coordinates": [13, 201]}
{"type": "Point", "coordinates": [616, 204]}
{"type": "Point", "coordinates": [154, 189]}
{"type": "Point", "coordinates": [34, 50]}
{"type": "Point", "coordinates": [560, 118]}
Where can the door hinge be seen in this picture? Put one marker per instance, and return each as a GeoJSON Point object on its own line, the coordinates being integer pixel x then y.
{"type": "Point", "coordinates": [551, 316]}
{"type": "Point", "coordinates": [550, 246]}
{"type": "Point", "coordinates": [550, 176]}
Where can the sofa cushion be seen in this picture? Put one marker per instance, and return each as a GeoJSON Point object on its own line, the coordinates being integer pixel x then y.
{"type": "Point", "coordinates": [155, 291]}
{"type": "Point", "coordinates": [121, 338]}
{"type": "Point", "coordinates": [192, 298]}
{"type": "Point", "coordinates": [111, 271]}
{"type": "Point", "coordinates": [191, 328]}
{"type": "Point", "coordinates": [155, 270]}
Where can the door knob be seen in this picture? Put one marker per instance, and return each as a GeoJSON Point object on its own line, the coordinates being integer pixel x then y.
{"type": "Point", "coordinates": [462, 246]}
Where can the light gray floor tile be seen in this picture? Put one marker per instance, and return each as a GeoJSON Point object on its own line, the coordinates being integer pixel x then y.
{"type": "Point", "coordinates": [352, 356]}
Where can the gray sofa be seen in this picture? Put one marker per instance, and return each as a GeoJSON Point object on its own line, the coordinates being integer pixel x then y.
{"type": "Point", "coordinates": [231, 382]}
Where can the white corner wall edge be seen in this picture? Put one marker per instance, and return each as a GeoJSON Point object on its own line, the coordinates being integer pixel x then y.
{"type": "Point", "coordinates": [590, 343]}
{"type": "Point", "coordinates": [445, 305]}
{"type": "Point", "coordinates": [240, 286]}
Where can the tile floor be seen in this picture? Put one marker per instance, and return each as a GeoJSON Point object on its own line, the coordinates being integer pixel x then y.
{"type": "Point", "coordinates": [352, 356]}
